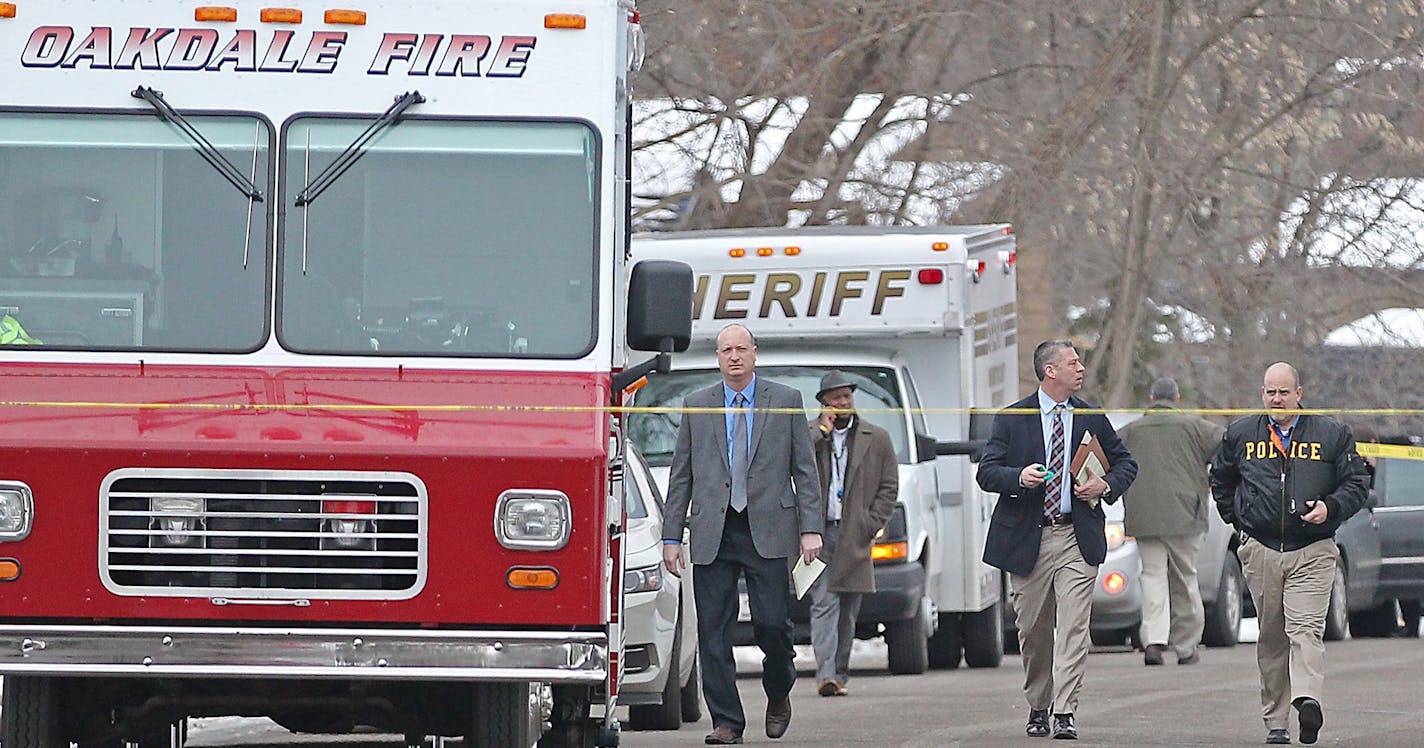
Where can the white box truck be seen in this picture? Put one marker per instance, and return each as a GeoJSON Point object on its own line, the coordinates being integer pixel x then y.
{"type": "Point", "coordinates": [923, 319]}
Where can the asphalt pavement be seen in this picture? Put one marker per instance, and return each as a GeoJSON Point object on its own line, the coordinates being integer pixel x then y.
{"type": "Point", "coordinates": [1374, 697]}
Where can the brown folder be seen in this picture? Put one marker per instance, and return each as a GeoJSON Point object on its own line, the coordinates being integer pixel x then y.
{"type": "Point", "coordinates": [1088, 458]}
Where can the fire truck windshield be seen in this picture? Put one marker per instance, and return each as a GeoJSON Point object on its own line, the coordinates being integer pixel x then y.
{"type": "Point", "coordinates": [117, 234]}
{"type": "Point", "coordinates": [445, 238]}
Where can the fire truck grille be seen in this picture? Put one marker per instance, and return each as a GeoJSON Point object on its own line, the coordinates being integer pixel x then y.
{"type": "Point", "coordinates": [240, 535]}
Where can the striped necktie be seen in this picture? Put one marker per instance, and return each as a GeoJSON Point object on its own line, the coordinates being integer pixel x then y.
{"type": "Point", "coordinates": [1053, 489]}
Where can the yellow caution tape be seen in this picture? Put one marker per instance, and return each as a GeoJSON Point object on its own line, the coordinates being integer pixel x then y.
{"type": "Point", "coordinates": [1394, 451]}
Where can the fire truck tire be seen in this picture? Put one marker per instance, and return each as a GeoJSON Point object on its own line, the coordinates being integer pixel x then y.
{"type": "Point", "coordinates": [668, 714]}
{"type": "Point", "coordinates": [500, 716]}
{"type": "Point", "coordinates": [692, 693]}
{"type": "Point", "coordinates": [31, 713]}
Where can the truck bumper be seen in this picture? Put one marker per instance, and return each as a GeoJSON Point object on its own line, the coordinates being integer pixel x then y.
{"type": "Point", "coordinates": [160, 651]}
{"type": "Point", "coordinates": [898, 591]}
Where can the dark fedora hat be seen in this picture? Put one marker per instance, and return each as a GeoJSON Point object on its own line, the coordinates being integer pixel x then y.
{"type": "Point", "coordinates": [834, 380]}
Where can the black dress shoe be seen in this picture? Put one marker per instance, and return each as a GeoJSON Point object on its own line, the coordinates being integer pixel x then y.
{"type": "Point", "coordinates": [1152, 655]}
{"type": "Point", "coordinates": [723, 735]}
{"type": "Point", "coordinates": [1037, 723]}
{"type": "Point", "coordinates": [1310, 719]}
{"type": "Point", "coordinates": [1278, 737]}
{"type": "Point", "coordinates": [778, 718]}
{"type": "Point", "coordinates": [1063, 728]}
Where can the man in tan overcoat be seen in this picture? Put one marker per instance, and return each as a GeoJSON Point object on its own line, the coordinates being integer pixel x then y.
{"type": "Point", "coordinates": [859, 479]}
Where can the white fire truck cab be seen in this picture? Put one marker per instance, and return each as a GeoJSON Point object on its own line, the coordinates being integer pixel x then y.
{"type": "Point", "coordinates": [923, 320]}
{"type": "Point", "coordinates": [312, 329]}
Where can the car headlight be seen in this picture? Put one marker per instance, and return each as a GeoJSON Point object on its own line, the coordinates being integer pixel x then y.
{"type": "Point", "coordinates": [644, 579]}
{"type": "Point", "coordinates": [1116, 535]}
{"type": "Point", "coordinates": [532, 520]}
{"type": "Point", "coordinates": [17, 510]}
{"type": "Point", "coordinates": [177, 518]}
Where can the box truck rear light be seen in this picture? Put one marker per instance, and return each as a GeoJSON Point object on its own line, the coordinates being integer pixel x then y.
{"type": "Point", "coordinates": [930, 276]}
{"type": "Point", "coordinates": [940, 246]}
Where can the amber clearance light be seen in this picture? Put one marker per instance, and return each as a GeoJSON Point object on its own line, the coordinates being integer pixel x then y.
{"type": "Point", "coordinates": [215, 13]}
{"type": "Point", "coordinates": [281, 15]}
{"type": "Point", "coordinates": [349, 17]}
{"type": "Point", "coordinates": [890, 551]}
{"type": "Point", "coordinates": [9, 569]}
{"type": "Point", "coordinates": [565, 21]}
{"type": "Point", "coordinates": [7, 10]}
{"type": "Point", "coordinates": [527, 578]}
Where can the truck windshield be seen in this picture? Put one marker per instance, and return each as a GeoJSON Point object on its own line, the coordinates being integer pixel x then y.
{"type": "Point", "coordinates": [877, 399]}
{"type": "Point", "coordinates": [116, 234]}
{"type": "Point", "coordinates": [446, 238]}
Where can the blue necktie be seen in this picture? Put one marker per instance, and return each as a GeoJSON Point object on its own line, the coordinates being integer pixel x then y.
{"type": "Point", "coordinates": [739, 454]}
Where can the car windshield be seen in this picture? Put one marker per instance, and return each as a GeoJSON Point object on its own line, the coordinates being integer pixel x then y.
{"type": "Point", "coordinates": [116, 233]}
{"type": "Point", "coordinates": [633, 503]}
{"type": "Point", "coordinates": [445, 238]}
{"type": "Point", "coordinates": [877, 399]}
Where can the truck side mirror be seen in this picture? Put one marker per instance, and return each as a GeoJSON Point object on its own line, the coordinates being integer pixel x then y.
{"type": "Point", "coordinates": [659, 316]}
{"type": "Point", "coordinates": [660, 306]}
{"type": "Point", "coordinates": [980, 426]}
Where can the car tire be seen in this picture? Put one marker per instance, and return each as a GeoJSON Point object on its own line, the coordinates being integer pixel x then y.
{"type": "Point", "coordinates": [1223, 619]}
{"type": "Point", "coordinates": [983, 634]}
{"type": "Point", "coordinates": [947, 644]}
{"type": "Point", "coordinates": [1337, 616]}
{"type": "Point", "coordinates": [692, 693]}
{"type": "Point", "coordinates": [1375, 622]}
{"type": "Point", "coordinates": [907, 643]}
{"type": "Point", "coordinates": [1107, 637]}
{"type": "Point", "coordinates": [668, 714]}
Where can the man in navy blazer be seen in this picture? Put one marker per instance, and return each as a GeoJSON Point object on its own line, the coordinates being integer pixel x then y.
{"type": "Point", "coordinates": [1047, 528]}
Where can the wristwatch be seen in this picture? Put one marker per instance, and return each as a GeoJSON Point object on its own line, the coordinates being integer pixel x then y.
{"type": "Point", "coordinates": [1107, 492]}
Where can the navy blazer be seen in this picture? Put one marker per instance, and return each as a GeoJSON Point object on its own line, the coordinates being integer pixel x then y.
{"type": "Point", "coordinates": [1016, 443]}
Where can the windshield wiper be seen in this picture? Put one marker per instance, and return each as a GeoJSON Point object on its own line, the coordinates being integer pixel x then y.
{"type": "Point", "coordinates": [348, 157]}
{"type": "Point", "coordinates": [206, 149]}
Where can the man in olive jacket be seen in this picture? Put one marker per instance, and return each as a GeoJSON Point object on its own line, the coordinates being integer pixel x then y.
{"type": "Point", "coordinates": [860, 481]}
{"type": "Point", "coordinates": [1166, 510]}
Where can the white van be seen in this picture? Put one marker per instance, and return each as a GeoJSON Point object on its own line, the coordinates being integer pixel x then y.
{"type": "Point", "coordinates": [924, 321]}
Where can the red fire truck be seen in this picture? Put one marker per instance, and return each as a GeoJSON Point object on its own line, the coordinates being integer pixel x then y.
{"type": "Point", "coordinates": [310, 322]}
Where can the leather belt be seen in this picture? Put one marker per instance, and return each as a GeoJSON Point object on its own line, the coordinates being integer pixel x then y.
{"type": "Point", "coordinates": [1062, 519]}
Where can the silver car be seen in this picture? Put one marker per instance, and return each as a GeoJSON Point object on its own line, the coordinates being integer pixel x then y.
{"type": "Point", "coordinates": [660, 681]}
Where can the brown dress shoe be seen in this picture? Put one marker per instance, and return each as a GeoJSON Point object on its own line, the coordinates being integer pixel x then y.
{"type": "Point", "coordinates": [723, 735]}
{"type": "Point", "coordinates": [826, 687]}
{"type": "Point", "coordinates": [778, 718]}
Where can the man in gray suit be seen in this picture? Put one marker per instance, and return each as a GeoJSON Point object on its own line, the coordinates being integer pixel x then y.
{"type": "Point", "coordinates": [743, 480]}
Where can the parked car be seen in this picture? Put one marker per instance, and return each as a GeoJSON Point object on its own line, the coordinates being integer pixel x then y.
{"type": "Point", "coordinates": [661, 683]}
{"type": "Point", "coordinates": [1379, 581]}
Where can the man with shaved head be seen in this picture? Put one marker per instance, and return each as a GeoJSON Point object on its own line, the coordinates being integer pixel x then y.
{"type": "Point", "coordinates": [1286, 480]}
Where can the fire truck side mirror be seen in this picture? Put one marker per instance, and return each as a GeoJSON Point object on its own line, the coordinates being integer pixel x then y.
{"type": "Point", "coordinates": [660, 306]}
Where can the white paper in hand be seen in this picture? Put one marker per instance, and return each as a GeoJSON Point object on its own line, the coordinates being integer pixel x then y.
{"type": "Point", "coordinates": [804, 574]}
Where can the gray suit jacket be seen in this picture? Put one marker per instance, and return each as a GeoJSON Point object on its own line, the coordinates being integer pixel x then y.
{"type": "Point", "coordinates": [782, 499]}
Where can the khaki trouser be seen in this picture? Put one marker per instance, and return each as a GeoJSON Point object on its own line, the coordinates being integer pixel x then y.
{"type": "Point", "coordinates": [1171, 601]}
{"type": "Point", "coordinates": [1056, 597]}
{"type": "Point", "coordinates": [1291, 590]}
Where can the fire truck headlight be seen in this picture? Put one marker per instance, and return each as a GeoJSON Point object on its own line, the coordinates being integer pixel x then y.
{"type": "Point", "coordinates": [532, 520]}
{"type": "Point", "coordinates": [177, 519]}
{"type": "Point", "coordinates": [645, 579]}
{"type": "Point", "coordinates": [17, 510]}
{"type": "Point", "coordinates": [349, 532]}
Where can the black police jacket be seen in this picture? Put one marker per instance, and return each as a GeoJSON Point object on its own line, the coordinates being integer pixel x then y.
{"type": "Point", "coordinates": [1262, 492]}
